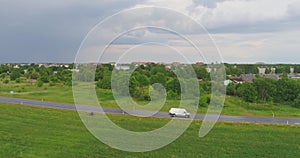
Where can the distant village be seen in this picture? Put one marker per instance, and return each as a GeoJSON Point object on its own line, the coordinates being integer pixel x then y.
{"type": "Point", "coordinates": [263, 70]}
{"type": "Point", "coordinates": [262, 73]}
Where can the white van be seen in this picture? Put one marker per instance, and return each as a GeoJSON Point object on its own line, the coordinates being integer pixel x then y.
{"type": "Point", "coordinates": [179, 112]}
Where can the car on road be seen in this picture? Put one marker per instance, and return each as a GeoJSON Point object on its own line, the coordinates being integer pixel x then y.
{"type": "Point", "coordinates": [179, 112]}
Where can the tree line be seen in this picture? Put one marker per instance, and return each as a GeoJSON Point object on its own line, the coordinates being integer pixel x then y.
{"type": "Point", "coordinates": [144, 76]}
{"type": "Point", "coordinates": [263, 90]}
{"type": "Point", "coordinates": [38, 74]}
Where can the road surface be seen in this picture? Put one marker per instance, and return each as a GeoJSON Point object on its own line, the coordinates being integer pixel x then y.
{"type": "Point", "coordinates": [222, 118]}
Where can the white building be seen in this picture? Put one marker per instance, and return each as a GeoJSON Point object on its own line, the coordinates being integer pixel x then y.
{"type": "Point", "coordinates": [261, 70]}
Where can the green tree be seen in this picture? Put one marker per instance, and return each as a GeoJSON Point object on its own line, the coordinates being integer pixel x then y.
{"type": "Point", "coordinates": [173, 85]}
{"type": "Point", "coordinates": [251, 69]}
{"type": "Point", "coordinates": [101, 71]}
{"type": "Point", "coordinates": [39, 83]}
{"type": "Point", "coordinates": [6, 81]}
{"type": "Point", "coordinates": [231, 89]}
{"type": "Point", "coordinates": [34, 75]}
{"type": "Point", "coordinates": [104, 83]}
{"type": "Point", "coordinates": [155, 69]}
{"type": "Point", "coordinates": [18, 80]}
{"type": "Point", "coordinates": [287, 90]}
{"type": "Point", "coordinates": [204, 101]}
{"type": "Point", "coordinates": [281, 68]}
{"type": "Point", "coordinates": [247, 92]}
{"type": "Point", "coordinates": [158, 78]}
{"type": "Point", "coordinates": [142, 79]}
{"type": "Point", "coordinates": [44, 74]}
{"type": "Point", "coordinates": [297, 102]}
{"type": "Point", "coordinates": [265, 88]}
{"type": "Point", "coordinates": [133, 85]}
{"type": "Point", "coordinates": [172, 95]}
{"type": "Point", "coordinates": [14, 74]}
{"type": "Point", "coordinates": [4, 68]}
{"type": "Point", "coordinates": [206, 86]}
{"type": "Point", "coordinates": [268, 71]}
{"type": "Point", "coordinates": [142, 93]}
{"type": "Point", "coordinates": [3, 75]}
{"type": "Point", "coordinates": [86, 73]}
{"type": "Point", "coordinates": [65, 76]}
{"type": "Point", "coordinates": [201, 72]}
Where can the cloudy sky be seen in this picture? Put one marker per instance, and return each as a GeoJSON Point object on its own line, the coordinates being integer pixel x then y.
{"type": "Point", "coordinates": [244, 31]}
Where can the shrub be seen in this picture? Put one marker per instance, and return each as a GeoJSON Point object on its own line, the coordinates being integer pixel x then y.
{"type": "Point", "coordinates": [6, 81]}
{"type": "Point", "coordinates": [18, 80]}
{"type": "Point", "coordinates": [297, 102]}
{"type": "Point", "coordinates": [172, 95]}
{"type": "Point", "coordinates": [247, 92]}
{"type": "Point", "coordinates": [40, 83]}
{"type": "Point", "coordinates": [204, 101]}
{"type": "Point", "coordinates": [51, 84]}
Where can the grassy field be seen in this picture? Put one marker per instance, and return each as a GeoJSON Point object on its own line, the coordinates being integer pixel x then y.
{"type": "Point", "coordinates": [41, 132]}
{"type": "Point", "coordinates": [63, 94]}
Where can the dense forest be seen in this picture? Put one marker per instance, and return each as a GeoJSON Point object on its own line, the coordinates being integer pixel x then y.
{"type": "Point", "coordinates": [261, 90]}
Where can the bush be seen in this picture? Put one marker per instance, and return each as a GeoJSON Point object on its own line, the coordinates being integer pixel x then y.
{"type": "Point", "coordinates": [6, 81]}
{"type": "Point", "coordinates": [247, 92]}
{"type": "Point", "coordinates": [51, 84]}
{"type": "Point", "coordinates": [204, 101]}
{"type": "Point", "coordinates": [40, 83]}
{"type": "Point", "coordinates": [297, 102]}
{"type": "Point", "coordinates": [142, 93]}
{"type": "Point", "coordinates": [104, 83]}
{"type": "Point", "coordinates": [172, 95]}
{"type": "Point", "coordinates": [18, 80]}
{"type": "Point", "coordinates": [68, 83]}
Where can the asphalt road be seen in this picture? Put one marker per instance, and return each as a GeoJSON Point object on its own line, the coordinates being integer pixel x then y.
{"type": "Point", "coordinates": [222, 118]}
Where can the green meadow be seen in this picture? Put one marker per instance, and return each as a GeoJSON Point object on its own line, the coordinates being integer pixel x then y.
{"type": "Point", "coordinates": [41, 132]}
{"type": "Point", "coordinates": [63, 94]}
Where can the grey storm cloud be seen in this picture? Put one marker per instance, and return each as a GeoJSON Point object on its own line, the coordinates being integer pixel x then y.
{"type": "Point", "coordinates": [46, 31]}
{"type": "Point", "coordinates": [51, 31]}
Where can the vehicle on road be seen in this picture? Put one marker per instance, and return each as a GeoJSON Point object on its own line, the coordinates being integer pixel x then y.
{"type": "Point", "coordinates": [179, 112]}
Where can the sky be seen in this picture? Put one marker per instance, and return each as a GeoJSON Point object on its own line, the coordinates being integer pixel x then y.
{"type": "Point", "coordinates": [232, 31]}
